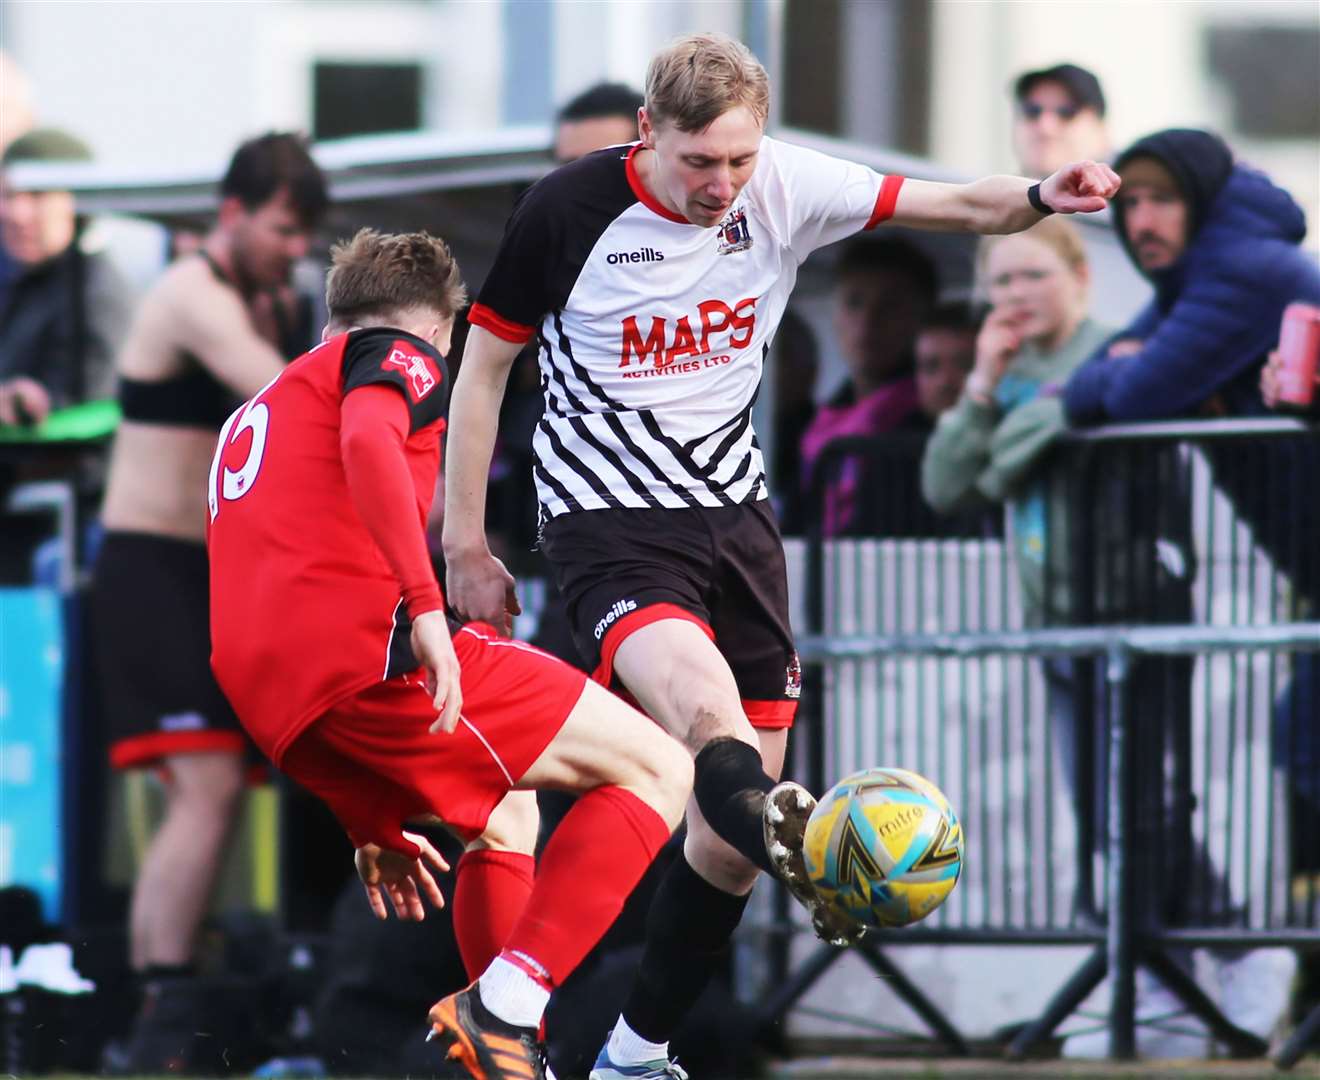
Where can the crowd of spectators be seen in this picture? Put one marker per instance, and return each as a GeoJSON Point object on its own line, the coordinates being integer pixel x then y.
{"type": "Point", "coordinates": [963, 397]}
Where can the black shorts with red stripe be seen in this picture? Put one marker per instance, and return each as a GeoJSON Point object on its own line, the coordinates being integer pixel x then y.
{"type": "Point", "coordinates": [720, 567]}
{"type": "Point", "coordinates": [151, 621]}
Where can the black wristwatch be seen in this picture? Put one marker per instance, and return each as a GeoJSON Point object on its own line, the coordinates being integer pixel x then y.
{"type": "Point", "coordinates": [1037, 203]}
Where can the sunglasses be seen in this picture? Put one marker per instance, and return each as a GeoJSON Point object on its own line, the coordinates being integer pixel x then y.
{"type": "Point", "coordinates": [1034, 110]}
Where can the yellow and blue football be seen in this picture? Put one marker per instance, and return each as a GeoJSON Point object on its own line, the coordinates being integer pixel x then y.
{"type": "Point", "coordinates": [884, 846]}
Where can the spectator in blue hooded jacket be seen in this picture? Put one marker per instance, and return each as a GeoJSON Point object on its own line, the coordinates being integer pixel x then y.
{"type": "Point", "coordinates": [1219, 241]}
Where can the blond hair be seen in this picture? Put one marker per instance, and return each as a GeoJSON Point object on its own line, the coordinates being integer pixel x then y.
{"type": "Point", "coordinates": [1057, 233]}
{"type": "Point", "coordinates": [378, 275]}
{"type": "Point", "coordinates": [698, 78]}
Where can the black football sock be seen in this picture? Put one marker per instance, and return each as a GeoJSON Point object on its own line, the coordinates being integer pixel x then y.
{"type": "Point", "coordinates": [687, 932]}
{"type": "Point", "coordinates": [730, 787]}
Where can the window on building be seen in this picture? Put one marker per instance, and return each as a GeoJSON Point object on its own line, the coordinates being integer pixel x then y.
{"type": "Point", "coordinates": [1272, 75]}
{"type": "Point", "coordinates": [858, 70]}
{"type": "Point", "coordinates": [362, 99]}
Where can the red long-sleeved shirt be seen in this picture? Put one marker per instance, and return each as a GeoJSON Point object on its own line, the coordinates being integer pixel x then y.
{"type": "Point", "coordinates": [319, 495]}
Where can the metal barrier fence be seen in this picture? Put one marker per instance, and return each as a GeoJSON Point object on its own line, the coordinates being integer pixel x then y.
{"type": "Point", "coordinates": [1142, 606]}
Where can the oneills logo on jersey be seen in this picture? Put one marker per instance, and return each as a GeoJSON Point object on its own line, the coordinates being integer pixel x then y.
{"type": "Point", "coordinates": [642, 255]}
{"type": "Point", "coordinates": [734, 233]}
{"type": "Point", "coordinates": [617, 611]}
{"type": "Point", "coordinates": [418, 376]}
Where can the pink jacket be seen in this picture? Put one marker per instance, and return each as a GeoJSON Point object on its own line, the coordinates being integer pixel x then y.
{"type": "Point", "coordinates": [880, 411]}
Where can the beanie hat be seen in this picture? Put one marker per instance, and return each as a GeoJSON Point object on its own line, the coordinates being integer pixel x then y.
{"type": "Point", "coordinates": [46, 144]}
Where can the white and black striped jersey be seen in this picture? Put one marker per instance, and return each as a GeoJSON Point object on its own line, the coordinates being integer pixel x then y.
{"type": "Point", "coordinates": [652, 330]}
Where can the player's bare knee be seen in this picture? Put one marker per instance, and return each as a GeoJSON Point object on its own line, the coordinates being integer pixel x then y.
{"type": "Point", "coordinates": [512, 826]}
{"type": "Point", "coordinates": [675, 779]}
{"type": "Point", "coordinates": [711, 708]}
{"type": "Point", "coordinates": [713, 721]}
{"type": "Point", "coordinates": [662, 771]}
{"type": "Point", "coordinates": [211, 783]}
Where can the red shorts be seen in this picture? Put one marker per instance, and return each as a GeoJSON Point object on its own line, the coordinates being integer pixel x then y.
{"type": "Point", "coordinates": [373, 761]}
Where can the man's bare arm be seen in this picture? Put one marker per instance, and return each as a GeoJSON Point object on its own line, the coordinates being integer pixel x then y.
{"type": "Point", "coordinates": [478, 586]}
{"type": "Point", "coordinates": [999, 204]}
{"type": "Point", "coordinates": [214, 325]}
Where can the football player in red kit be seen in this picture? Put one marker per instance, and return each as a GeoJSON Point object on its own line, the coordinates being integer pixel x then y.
{"type": "Point", "coordinates": [330, 640]}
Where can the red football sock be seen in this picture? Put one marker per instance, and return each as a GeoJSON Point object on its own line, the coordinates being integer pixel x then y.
{"type": "Point", "coordinates": [490, 893]}
{"type": "Point", "coordinates": [593, 860]}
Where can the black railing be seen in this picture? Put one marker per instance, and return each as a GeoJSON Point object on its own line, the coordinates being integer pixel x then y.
{"type": "Point", "coordinates": [1173, 613]}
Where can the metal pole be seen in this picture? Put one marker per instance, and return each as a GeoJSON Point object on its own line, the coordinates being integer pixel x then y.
{"type": "Point", "coordinates": [1120, 945]}
{"type": "Point", "coordinates": [1307, 1034]}
{"type": "Point", "coordinates": [1085, 979]}
{"type": "Point", "coordinates": [912, 996]}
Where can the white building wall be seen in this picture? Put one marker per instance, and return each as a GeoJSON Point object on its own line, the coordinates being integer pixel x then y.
{"type": "Point", "coordinates": [142, 83]}
{"type": "Point", "coordinates": [1149, 56]}
{"type": "Point", "coordinates": [614, 39]}
{"type": "Point", "coordinates": [180, 83]}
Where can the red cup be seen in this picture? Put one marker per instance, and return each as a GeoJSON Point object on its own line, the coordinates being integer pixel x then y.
{"type": "Point", "coordinates": [1299, 354]}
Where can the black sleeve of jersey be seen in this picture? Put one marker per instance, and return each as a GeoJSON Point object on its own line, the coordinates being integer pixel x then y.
{"type": "Point", "coordinates": [519, 287]}
{"type": "Point", "coordinates": [399, 359]}
{"type": "Point", "coordinates": [554, 226]}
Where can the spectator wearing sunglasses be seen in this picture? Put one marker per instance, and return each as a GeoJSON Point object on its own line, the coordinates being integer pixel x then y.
{"type": "Point", "coordinates": [1060, 117]}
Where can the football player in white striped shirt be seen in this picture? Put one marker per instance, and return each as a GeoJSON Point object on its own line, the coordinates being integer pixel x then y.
{"type": "Point", "coordinates": [653, 276]}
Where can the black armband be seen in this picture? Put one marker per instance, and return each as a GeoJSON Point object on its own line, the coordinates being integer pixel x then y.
{"type": "Point", "coordinates": [1037, 203]}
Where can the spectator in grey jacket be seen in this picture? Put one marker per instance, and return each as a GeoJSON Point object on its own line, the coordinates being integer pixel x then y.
{"type": "Point", "coordinates": [67, 310]}
{"type": "Point", "coordinates": [991, 447]}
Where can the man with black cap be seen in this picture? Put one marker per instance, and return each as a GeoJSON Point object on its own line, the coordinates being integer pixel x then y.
{"type": "Point", "coordinates": [1219, 241]}
{"type": "Point", "coordinates": [67, 309]}
{"type": "Point", "coordinates": [1060, 118]}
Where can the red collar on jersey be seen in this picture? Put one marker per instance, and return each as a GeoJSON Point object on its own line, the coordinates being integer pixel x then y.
{"type": "Point", "coordinates": [645, 197]}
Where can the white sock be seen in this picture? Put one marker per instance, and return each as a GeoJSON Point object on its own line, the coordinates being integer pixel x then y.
{"type": "Point", "coordinates": [628, 1048]}
{"type": "Point", "coordinates": [511, 994]}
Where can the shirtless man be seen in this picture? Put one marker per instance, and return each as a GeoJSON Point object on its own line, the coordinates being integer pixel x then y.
{"type": "Point", "coordinates": [204, 338]}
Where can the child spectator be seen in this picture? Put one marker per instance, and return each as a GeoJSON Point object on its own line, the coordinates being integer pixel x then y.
{"type": "Point", "coordinates": [988, 447]}
{"type": "Point", "coordinates": [883, 292]}
{"type": "Point", "coordinates": [945, 352]}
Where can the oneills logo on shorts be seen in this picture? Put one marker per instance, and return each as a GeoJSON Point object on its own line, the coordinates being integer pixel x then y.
{"type": "Point", "coordinates": [793, 679]}
{"type": "Point", "coordinates": [617, 611]}
{"type": "Point", "coordinates": [417, 373]}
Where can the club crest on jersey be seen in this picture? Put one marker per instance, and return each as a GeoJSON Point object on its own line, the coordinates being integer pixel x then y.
{"type": "Point", "coordinates": [416, 372]}
{"type": "Point", "coordinates": [734, 234]}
